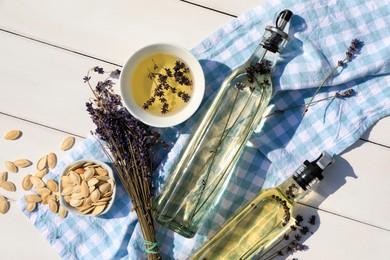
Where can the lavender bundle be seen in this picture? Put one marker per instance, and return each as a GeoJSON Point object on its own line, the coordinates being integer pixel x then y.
{"type": "Point", "coordinates": [128, 144]}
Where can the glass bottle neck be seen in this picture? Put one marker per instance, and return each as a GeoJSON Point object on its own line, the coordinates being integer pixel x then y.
{"type": "Point", "coordinates": [261, 54]}
{"type": "Point", "coordinates": [292, 190]}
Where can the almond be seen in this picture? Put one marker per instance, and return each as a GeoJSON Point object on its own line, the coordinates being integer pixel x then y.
{"type": "Point", "coordinates": [42, 191]}
{"type": "Point", "coordinates": [67, 191]}
{"type": "Point", "coordinates": [52, 160]}
{"type": "Point", "coordinates": [22, 163]}
{"type": "Point", "coordinates": [4, 207]}
{"type": "Point", "coordinates": [41, 164]}
{"type": "Point", "coordinates": [41, 173]}
{"type": "Point", "coordinates": [11, 167]}
{"type": "Point", "coordinates": [62, 212]}
{"type": "Point", "coordinates": [75, 203]}
{"type": "Point", "coordinates": [33, 198]}
{"type": "Point", "coordinates": [26, 183]}
{"type": "Point", "coordinates": [37, 182]}
{"type": "Point", "coordinates": [9, 186]}
{"type": "Point", "coordinates": [52, 185]}
{"type": "Point", "coordinates": [12, 135]}
{"type": "Point", "coordinates": [98, 209]}
{"type": "Point", "coordinates": [53, 205]}
{"type": "Point", "coordinates": [68, 143]}
{"type": "Point", "coordinates": [31, 206]}
{"type": "Point", "coordinates": [3, 176]}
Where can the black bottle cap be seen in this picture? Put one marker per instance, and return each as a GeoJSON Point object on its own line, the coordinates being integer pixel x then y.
{"type": "Point", "coordinates": [274, 40]}
{"type": "Point", "coordinates": [312, 171]}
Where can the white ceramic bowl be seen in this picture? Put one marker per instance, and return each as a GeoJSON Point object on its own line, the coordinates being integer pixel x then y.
{"type": "Point", "coordinates": [73, 210]}
{"type": "Point", "coordinates": [168, 119]}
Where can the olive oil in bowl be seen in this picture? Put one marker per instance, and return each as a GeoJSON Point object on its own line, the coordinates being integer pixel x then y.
{"type": "Point", "coordinates": [157, 79]}
{"type": "Point", "coordinates": [162, 85]}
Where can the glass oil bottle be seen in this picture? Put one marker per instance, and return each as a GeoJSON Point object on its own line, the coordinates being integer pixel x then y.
{"type": "Point", "coordinates": [198, 179]}
{"type": "Point", "coordinates": [264, 221]}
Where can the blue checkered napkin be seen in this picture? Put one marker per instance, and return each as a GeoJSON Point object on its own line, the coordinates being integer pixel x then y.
{"type": "Point", "coordinates": [321, 32]}
{"type": "Point", "coordinates": [111, 236]}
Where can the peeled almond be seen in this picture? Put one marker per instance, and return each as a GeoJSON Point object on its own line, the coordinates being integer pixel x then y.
{"type": "Point", "coordinates": [52, 185]}
{"type": "Point", "coordinates": [103, 178]}
{"type": "Point", "coordinates": [104, 199]}
{"type": "Point", "coordinates": [67, 191]}
{"type": "Point", "coordinates": [84, 189]}
{"type": "Point", "coordinates": [95, 195]}
{"type": "Point", "coordinates": [53, 206]}
{"type": "Point", "coordinates": [9, 186]}
{"type": "Point", "coordinates": [108, 194]}
{"type": "Point", "coordinates": [67, 143]}
{"type": "Point", "coordinates": [76, 189]}
{"type": "Point", "coordinates": [101, 171]}
{"type": "Point", "coordinates": [98, 209]}
{"type": "Point", "coordinates": [42, 191]}
{"type": "Point", "coordinates": [104, 188]}
{"type": "Point", "coordinates": [88, 201]}
{"type": "Point", "coordinates": [99, 203]}
{"type": "Point", "coordinates": [4, 207]}
{"type": "Point", "coordinates": [111, 182]}
{"type": "Point", "coordinates": [12, 135]}
{"type": "Point", "coordinates": [76, 166]}
{"type": "Point", "coordinates": [75, 177]}
{"type": "Point", "coordinates": [26, 183]}
{"type": "Point", "coordinates": [88, 210]}
{"type": "Point", "coordinates": [2, 198]}
{"type": "Point", "coordinates": [89, 173]}
{"type": "Point", "coordinates": [45, 198]}
{"type": "Point", "coordinates": [33, 198]}
{"type": "Point", "coordinates": [41, 164]}
{"type": "Point", "coordinates": [51, 160]}
{"type": "Point", "coordinates": [22, 163]}
{"type": "Point", "coordinates": [31, 206]}
{"type": "Point", "coordinates": [67, 198]}
{"type": "Point", "coordinates": [91, 188]}
{"type": "Point", "coordinates": [75, 203]}
{"type": "Point", "coordinates": [11, 167]}
{"type": "Point", "coordinates": [3, 176]}
{"type": "Point", "coordinates": [37, 182]}
{"type": "Point", "coordinates": [77, 196]}
{"type": "Point", "coordinates": [93, 182]}
{"type": "Point", "coordinates": [62, 212]}
{"type": "Point", "coordinates": [66, 181]}
{"type": "Point", "coordinates": [41, 173]}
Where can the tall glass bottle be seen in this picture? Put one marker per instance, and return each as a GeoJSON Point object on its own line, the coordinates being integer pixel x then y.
{"type": "Point", "coordinates": [264, 221]}
{"type": "Point", "coordinates": [198, 178]}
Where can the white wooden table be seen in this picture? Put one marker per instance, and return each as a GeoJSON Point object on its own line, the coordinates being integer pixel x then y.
{"type": "Point", "coordinates": [47, 46]}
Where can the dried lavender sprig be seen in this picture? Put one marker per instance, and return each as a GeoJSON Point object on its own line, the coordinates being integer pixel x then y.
{"type": "Point", "coordinates": [162, 84]}
{"type": "Point", "coordinates": [293, 246]}
{"type": "Point", "coordinates": [348, 93]}
{"type": "Point", "coordinates": [352, 50]}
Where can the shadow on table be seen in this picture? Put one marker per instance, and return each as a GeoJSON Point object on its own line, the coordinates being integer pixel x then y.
{"type": "Point", "coordinates": [334, 178]}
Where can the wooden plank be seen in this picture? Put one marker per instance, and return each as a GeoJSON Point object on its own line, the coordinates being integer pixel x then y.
{"type": "Point", "coordinates": [232, 7]}
{"type": "Point", "coordinates": [379, 133]}
{"type": "Point", "coordinates": [44, 84]}
{"type": "Point", "coordinates": [339, 238]}
{"type": "Point", "coordinates": [112, 34]}
{"type": "Point", "coordinates": [357, 185]}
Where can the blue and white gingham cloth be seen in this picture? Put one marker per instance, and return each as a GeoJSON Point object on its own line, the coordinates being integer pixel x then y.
{"type": "Point", "coordinates": [321, 32]}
